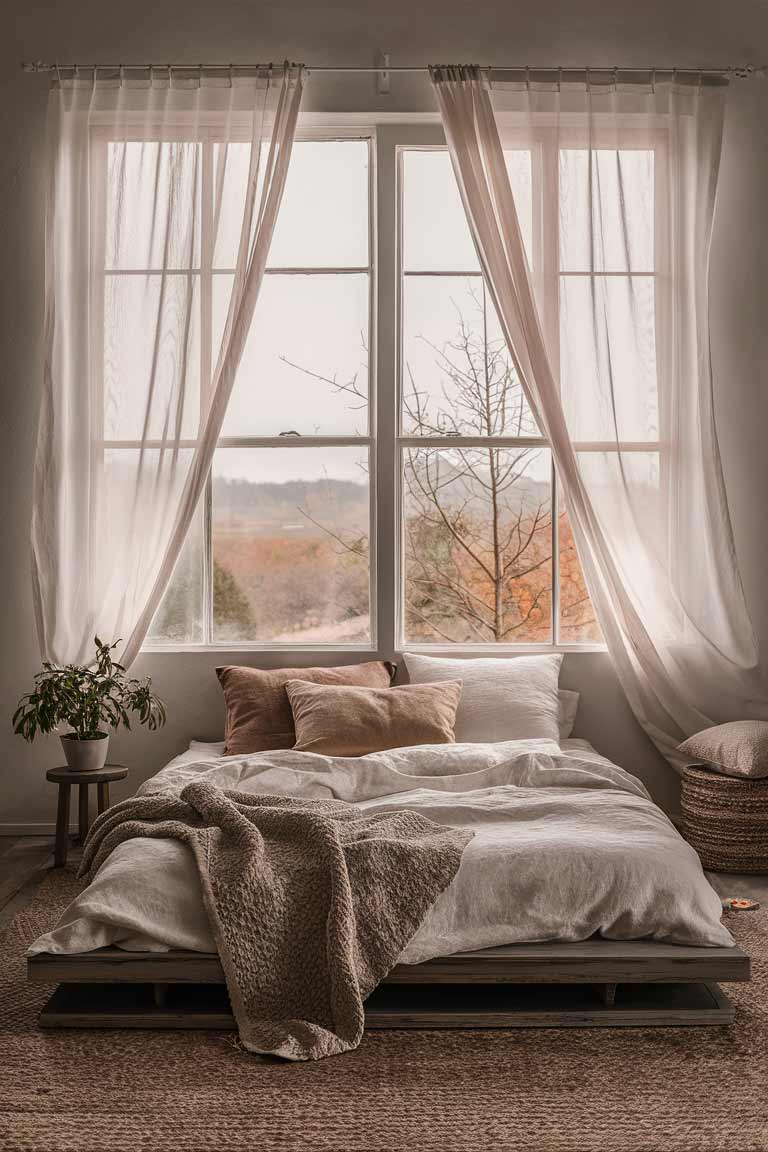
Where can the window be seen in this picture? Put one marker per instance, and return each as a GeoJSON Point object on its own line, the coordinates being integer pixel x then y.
{"type": "Point", "coordinates": [488, 553]}
{"type": "Point", "coordinates": [290, 524]}
{"type": "Point", "coordinates": [477, 476]}
{"type": "Point", "coordinates": [424, 511]}
{"type": "Point", "coordinates": [279, 552]}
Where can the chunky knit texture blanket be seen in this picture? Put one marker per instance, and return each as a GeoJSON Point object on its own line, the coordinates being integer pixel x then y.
{"type": "Point", "coordinates": [311, 902]}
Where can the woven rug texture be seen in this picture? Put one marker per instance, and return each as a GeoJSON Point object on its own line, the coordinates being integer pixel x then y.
{"type": "Point", "coordinates": [568, 1090]}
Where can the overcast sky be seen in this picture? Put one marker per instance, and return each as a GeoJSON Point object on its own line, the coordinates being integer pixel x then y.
{"type": "Point", "coordinates": [309, 327]}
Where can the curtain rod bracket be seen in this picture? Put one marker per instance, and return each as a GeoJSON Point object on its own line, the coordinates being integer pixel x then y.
{"type": "Point", "coordinates": [383, 75]}
{"type": "Point", "coordinates": [746, 72]}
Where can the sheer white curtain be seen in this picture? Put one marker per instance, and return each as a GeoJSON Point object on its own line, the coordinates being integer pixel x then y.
{"type": "Point", "coordinates": [608, 329]}
{"type": "Point", "coordinates": [148, 177]}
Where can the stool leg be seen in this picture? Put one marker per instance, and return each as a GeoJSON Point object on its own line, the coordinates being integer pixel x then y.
{"type": "Point", "coordinates": [62, 827]}
{"type": "Point", "coordinates": [83, 812]}
{"type": "Point", "coordinates": [103, 790]}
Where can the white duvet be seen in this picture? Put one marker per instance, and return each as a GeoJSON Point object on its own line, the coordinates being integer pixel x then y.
{"type": "Point", "coordinates": [565, 845]}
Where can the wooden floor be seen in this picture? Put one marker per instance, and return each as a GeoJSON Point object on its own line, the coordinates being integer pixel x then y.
{"type": "Point", "coordinates": [24, 860]}
{"type": "Point", "coordinates": [745, 886]}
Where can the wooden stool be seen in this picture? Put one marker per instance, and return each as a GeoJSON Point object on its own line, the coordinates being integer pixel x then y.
{"type": "Point", "coordinates": [65, 778]}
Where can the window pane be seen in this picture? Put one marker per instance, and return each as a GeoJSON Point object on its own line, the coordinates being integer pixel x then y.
{"type": "Point", "coordinates": [606, 210]}
{"type": "Point", "coordinates": [608, 357]}
{"type": "Point", "coordinates": [478, 546]}
{"type": "Point", "coordinates": [578, 623]}
{"type": "Point", "coordinates": [457, 375]}
{"type": "Point", "coordinates": [435, 232]}
{"type": "Point", "coordinates": [179, 619]}
{"type": "Point", "coordinates": [305, 363]}
{"type": "Point", "coordinates": [153, 204]}
{"type": "Point", "coordinates": [151, 356]}
{"type": "Point", "coordinates": [323, 218]}
{"type": "Point", "coordinates": [625, 491]}
{"type": "Point", "coordinates": [135, 504]}
{"type": "Point", "coordinates": [291, 546]}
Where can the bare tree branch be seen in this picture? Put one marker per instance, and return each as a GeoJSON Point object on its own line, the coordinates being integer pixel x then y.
{"type": "Point", "coordinates": [478, 530]}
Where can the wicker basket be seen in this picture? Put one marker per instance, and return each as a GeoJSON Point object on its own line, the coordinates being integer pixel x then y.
{"type": "Point", "coordinates": [726, 820]}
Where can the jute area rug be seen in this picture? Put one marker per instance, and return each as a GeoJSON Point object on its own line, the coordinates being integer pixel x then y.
{"type": "Point", "coordinates": [634, 1090]}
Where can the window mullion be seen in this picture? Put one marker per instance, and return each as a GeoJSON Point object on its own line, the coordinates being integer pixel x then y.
{"type": "Point", "coordinates": [297, 442]}
{"type": "Point", "coordinates": [208, 561]}
{"type": "Point", "coordinates": [547, 195]}
{"type": "Point", "coordinates": [387, 394]}
{"type": "Point", "coordinates": [99, 171]}
{"type": "Point", "coordinates": [474, 442]}
{"type": "Point", "coordinates": [554, 505]}
{"type": "Point", "coordinates": [206, 372]}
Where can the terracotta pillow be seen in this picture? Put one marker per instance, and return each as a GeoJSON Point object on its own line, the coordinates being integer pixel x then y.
{"type": "Point", "coordinates": [258, 713]}
{"type": "Point", "coordinates": [350, 721]}
{"type": "Point", "coordinates": [736, 749]}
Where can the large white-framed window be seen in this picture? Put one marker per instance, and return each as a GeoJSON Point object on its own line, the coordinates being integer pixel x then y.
{"type": "Point", "coordinates": [479, 523]}
{"type": "Point", "coordinates": [380, 482]}
{"type": "Point", "coordinates": [281, 550]}
{"type": "Point", "coordinates": [487, 555]}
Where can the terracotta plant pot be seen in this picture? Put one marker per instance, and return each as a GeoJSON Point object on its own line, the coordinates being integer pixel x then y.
{"type": "Point", "coordinates": [85, 755]}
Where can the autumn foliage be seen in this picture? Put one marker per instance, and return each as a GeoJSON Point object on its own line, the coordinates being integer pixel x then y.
{"type": "Point", "coordinates": [291, 561]}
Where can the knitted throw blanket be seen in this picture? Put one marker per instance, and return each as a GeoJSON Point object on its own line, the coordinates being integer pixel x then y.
{"type": "Point", "coordinates": [310, 901]}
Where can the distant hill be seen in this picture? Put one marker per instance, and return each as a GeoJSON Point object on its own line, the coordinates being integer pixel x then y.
{"type": "Point", "coordinates": [291, 507]}
{"type": "Point", "coordinates": [276, 509]}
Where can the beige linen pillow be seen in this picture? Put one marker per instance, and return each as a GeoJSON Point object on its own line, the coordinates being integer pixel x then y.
{"type": "Point", "coordinates": [259, 716]}
{"type": "Point", "coordinates": [501, 699]}
{"type": "Point", "coordinates": [351, 721]}
{"type": "Point", "coordinates": [736, 749]}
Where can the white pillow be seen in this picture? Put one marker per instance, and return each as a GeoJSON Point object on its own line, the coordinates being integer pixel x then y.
{"type": "Point", "coordinates": [501, 699]}
{"type": "Point", "coordinates": [566, 714]}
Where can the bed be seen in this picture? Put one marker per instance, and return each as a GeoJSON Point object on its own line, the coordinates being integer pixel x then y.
{"type": "Point", "coordinates": [576, 903]}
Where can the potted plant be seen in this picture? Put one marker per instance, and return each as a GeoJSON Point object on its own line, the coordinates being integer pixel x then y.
{"type": "Point", "coordinates": [88, 699]}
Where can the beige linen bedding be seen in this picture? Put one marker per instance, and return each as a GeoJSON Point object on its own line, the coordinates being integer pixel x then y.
{"type": "Point", "coordinates": [566, 845]}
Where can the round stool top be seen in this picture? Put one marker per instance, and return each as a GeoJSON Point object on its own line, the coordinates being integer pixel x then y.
{"type": "Point", "coordinates": [702, 776]}
{"type": "Point", "coordinates": [103, 776]}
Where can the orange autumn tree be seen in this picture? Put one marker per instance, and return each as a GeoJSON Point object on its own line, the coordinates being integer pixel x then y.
{"type": "Point", "coordinates": [477, 520]}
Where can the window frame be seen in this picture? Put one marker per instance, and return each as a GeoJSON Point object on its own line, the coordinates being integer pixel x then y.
{"type": "Point", "coordinates": [388, 137]}
{"type": "Point", "coordinates": [544, 144]}
{"type": "Point", "coordinates": [207, 136]}
{"type": "Point", "coordinates": [406, 442]}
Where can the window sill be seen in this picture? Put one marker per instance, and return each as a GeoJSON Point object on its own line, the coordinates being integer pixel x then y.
{"type": "Point", "coordinates": [263, 649]}
{"type": "Point", "coordinates": [490, 651]}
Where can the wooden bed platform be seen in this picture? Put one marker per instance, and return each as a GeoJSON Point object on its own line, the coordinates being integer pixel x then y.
{"type": "Point", "coordinates": [597, 983]}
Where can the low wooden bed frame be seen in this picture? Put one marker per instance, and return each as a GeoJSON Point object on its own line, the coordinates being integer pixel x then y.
{"type": "Point", "coordinates": [602, 983]}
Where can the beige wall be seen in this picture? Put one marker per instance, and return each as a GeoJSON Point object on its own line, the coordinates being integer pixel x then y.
{"type": "Point", "coordinates": [623, 32]}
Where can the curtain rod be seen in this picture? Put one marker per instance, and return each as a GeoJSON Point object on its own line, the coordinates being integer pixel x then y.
{"type": "Point", "coordinates": [737, 72]}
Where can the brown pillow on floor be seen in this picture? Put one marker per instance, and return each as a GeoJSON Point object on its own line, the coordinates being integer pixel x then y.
{"type": "Point", "coordinates": [736, 749]}
{"type": "Point", "coordinates": [350, 721]}
{"type": "Point", "coordinates": [259, 716]}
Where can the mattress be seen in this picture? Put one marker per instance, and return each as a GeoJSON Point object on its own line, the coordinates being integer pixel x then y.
{"type": "Point", "coordinates": [566, 845]}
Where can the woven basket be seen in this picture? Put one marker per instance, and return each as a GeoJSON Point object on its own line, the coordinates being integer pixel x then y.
{"type": "Point", "coordinates": [726, 820]}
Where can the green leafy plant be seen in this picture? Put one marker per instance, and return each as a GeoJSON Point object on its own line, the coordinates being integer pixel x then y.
{"type": "Point", "coordinates": [87, 699]}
